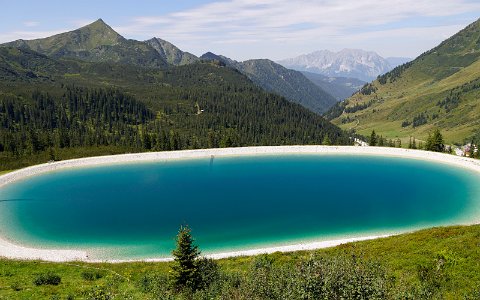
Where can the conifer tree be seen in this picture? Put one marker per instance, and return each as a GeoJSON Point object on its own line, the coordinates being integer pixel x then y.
{"type": "Point", "coordinates": [184, 269]}
{"type": "Point", "coordinates": [435, 142]}
{"type": "Point", "coordinates": [373, 138]}
{"type": "Point", "coordinates": [326, 141]}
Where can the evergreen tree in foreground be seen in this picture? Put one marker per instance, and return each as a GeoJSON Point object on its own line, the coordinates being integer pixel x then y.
{"type": "Point", "coordinates": [184, 269]}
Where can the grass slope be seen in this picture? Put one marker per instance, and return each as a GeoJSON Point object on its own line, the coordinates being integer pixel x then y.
{"type": "Point", "coordinates": [439, 89]}
{"type": "Point", "coordinates": [403, 257]}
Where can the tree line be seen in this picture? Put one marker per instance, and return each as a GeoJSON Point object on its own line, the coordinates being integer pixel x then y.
{"type": "Point", "coordinates": [44, 122]}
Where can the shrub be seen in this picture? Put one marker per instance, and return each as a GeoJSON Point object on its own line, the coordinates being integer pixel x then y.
{"type": "Point", "coordinates": [47, 279]}
{"type": "Point", "coordinates": [91, 275]}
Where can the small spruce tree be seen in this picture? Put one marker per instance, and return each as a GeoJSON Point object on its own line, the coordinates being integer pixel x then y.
{"type": "Point", "coordinates": [373, 138]}
{"type": "Point", "coordinates": [184, 269]}
{"type": "Point", "coordinates": [381, 141]}
{"type": "Point", "coordinates": [326, 141]}
{"type": "Point", "coordinates": [435, 142]}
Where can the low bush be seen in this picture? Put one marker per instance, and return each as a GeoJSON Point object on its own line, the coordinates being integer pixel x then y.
{"type": "Point", "coordinates": [47, 279]}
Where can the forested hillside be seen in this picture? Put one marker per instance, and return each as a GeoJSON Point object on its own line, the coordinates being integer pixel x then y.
{"type": "Point", "coordinates": [277, 79]}
{"type": "Point", "coordinates": [62, 108]}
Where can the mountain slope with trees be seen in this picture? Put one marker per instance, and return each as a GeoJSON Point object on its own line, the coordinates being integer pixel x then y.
{"type": "Point", "coordinates": [63, 108]}
{"type": "Point", "coordinates": [439, 89]}
{"type": "Point", "coordinates": [98, 42]}
{"type": "Point", "coordinates": [274, 78]}
{"type": "Point", "coordinates": [339, 87]}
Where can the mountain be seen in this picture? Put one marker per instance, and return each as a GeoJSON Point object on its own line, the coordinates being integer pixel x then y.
{"type": "Point", "coordinates": [171, 54]}
{"type": "Point", "coordinates": [275, 78]}
{"type": "Point", "coordinates": [60, 108]}
{"type": "Point", "coordinates": [439, 89]}
{"type": "Point", "coordinates": [96, 42]}
{"type": "Point", "coordinates": [339, 87]}
{"type": "Point", "coordinates": [360, 64]}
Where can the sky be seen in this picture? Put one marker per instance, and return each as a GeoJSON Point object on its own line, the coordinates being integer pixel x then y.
{"type": "Point", "coordinates": [247, 29]}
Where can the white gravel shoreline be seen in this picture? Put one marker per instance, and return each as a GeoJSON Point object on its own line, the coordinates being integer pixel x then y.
{"type": "Point", "coordinates": [13, 251]}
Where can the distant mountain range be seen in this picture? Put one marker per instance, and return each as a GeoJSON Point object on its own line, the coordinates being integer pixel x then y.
{"type": "Point", "coordinates": [439, 89]}
{"type": "Point", "coordinates": [339, 87]}
{"type": "Point", "coordinates": [275, 78]}
{"type": "Point", "coordinates": [98, 42]}
{"type": "Point", "coordinates": [360, 64]}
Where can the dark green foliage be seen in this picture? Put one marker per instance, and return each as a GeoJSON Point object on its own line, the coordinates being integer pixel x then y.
{"type": "Point", "coordinates": [453, 99]}
{"type": "Point", "coordinates": [373, 139]}
{"type": "Point", "coordinates": [326, 141]}
{"type": "Point", "coordinates": [394, 74]}
{"type": "Point", "coordinates": [336, 110]}
{"type": "Point", "coordinates": [358, 107]}
{"type": "Point", "coordinates": [47, 279]}
{"type": "Point", "coordinates": [368, 89]}
{"type": "Point", "coordinates": [419, 120]}
{"type": "Point", "coordinates": [435, 142]}
{"type": "Point", "coordinates": [412, 143]}
{"type": "Point", "coordinates": [341, 278]}
{"type": "Point", "coordinates": [208, 273]}
{"type": "Point", "coordinates": [316, 277]}
{"type": "Point", "coordinates": [450, 102]}
{"type": "Point", "coordinates": [185, 272]}
{"type": "Point", "coordinates": [81, 117]}
{"type": "Point", "coordinates": [195, 106]}
{"type": "Point", "coordinates": [473, 295]}
{"type": "Point", "coordinates": [406, 123]}
{"type": "Point", "coordinates": [92, 275]}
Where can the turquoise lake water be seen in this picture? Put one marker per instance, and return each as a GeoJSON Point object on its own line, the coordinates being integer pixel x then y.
{"type": "Point", "coordinates": [233, 203]}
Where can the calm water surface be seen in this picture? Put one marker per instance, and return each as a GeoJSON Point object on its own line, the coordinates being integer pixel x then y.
{"type": "Point", "coordinates": [134, 210]}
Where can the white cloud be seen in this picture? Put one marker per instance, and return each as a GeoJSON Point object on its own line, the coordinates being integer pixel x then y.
{"type": "Point", "coordinates": [277, 29]}
{"type": "Point", "coordinates": [281, 21]}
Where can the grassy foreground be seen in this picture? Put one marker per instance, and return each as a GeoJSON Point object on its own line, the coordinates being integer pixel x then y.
{"type": "Point", "coordinates": [439, 263]}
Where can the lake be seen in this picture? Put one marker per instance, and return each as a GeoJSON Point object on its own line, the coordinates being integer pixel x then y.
{"type": "Point", "coordinates": [133, 211]}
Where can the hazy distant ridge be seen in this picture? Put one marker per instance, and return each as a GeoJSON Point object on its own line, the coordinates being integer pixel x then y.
{"type": "Point", "coordinates": [356, 63]}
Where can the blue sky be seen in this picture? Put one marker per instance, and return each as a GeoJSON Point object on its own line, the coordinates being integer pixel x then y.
{"type": "Point", "coordinates": [244, 29]}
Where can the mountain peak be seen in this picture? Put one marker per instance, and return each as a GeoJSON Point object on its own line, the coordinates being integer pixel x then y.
{"type": "Point", "coordinates": [356, 63]}
{"type": "Point", "coordinates": [170, 53]}
{"type": "Point", "coordinates": [100, 32]}
{"type": "Point", "coordinates": [96, 41]}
